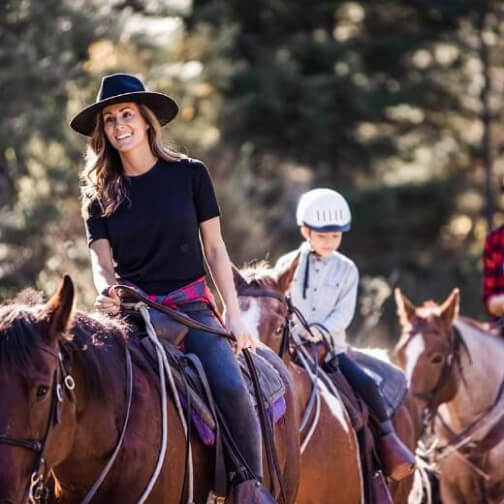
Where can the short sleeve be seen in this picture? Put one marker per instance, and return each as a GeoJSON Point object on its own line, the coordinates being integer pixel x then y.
{"type": "Point", "coordinates": [96, 227]}
{"type": "Point", "coordinates": [205, 200]}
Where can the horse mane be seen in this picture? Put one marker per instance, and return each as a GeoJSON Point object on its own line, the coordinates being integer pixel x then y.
{"type": "Point", "coordinates": [86, 342]}
{"type": "Point", "coordinates": [260, 274]}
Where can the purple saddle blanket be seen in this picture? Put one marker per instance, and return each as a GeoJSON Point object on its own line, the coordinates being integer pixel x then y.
{"type": "Point", "coordinates": [273, 390]}
{"type": "Point", "coordinates": [272, 386]}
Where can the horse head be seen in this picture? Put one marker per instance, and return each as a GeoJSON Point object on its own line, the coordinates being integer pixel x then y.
{"type": "Point", "coordinates": [261, 292]}
{"type": "Point", "coordinates": [429, 348]}
{"type": "Point", "coordinates": [35, 387]}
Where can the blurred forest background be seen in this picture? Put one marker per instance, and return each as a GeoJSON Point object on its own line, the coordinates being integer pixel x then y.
{"type": "Point", "coordinates": [397, 104]}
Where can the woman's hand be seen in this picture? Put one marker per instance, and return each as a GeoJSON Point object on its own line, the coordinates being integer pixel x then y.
{"type": "Point", "coordinates": [244, 339]}
{"type": "Point", "coordinates": [108, 304]}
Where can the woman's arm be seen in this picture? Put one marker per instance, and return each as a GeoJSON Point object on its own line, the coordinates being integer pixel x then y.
{"type": "Point", "coordinates": [222, 275]}
{"type": "Point", "coordinates": [102, 267]}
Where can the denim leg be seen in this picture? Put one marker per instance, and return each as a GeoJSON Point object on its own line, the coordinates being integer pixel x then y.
{"type": "Point", "coordinates": [229, 390]}
{"type": "Point", "coordinates": [364, 385]}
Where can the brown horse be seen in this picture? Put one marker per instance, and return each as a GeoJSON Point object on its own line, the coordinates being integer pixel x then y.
{"type": "Point", "coordinates": [265, 316]}
{"type": "Point", "coordinates": [455, 370]}
{"type": "Point", "coordinates": [330, 465]}
{"type": "Point", "coordinates": [64, 387]}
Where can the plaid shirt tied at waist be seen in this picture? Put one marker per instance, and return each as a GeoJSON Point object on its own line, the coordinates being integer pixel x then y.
{"type": "Point", "coordinates": [194, 292]}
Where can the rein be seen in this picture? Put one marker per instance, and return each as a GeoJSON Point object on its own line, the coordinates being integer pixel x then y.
{"type": "Point", "coordinates": [38, 491]}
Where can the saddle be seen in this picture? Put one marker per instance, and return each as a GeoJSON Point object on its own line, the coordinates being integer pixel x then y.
{"type": "Point", "coordinates": [389, 378]}
{"type": "Point", "coordinates": [264, 384]}
{"type": "Point", "coordinates": [272, 387]}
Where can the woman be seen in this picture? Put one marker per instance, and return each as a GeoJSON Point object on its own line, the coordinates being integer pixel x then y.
{"type": "Point", "coordinates": [145, 208]}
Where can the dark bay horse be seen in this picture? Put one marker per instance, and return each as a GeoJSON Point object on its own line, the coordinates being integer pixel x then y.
{"type": "Point", "coordinates": [455, 370]}
{"type": "Point", "coordinates": [265, 316]}
{"type": "Point", "coordinates": [330, 465]}
{"type": "Point", "coordinates": [75, 423]}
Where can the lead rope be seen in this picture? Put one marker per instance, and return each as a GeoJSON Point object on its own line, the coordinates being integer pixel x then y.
{"type": "Point", "coordinates": [164, 367]}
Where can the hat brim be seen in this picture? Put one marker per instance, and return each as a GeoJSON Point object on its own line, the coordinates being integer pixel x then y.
{"type": "Point", "coordinates": [329, 228]}
{"type": "Point", "coordinates": [163, 107]}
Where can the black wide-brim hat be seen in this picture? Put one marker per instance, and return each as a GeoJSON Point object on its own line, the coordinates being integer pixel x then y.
{"type": "Point", "coordinates": [117, 88]}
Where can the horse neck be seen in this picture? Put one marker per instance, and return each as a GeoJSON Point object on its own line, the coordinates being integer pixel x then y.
{"type": "Point", "coordinates": [482, 375]}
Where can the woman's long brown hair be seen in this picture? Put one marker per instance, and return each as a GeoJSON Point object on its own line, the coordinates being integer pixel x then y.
{"type": "Point", "coordinates": [103, 179]}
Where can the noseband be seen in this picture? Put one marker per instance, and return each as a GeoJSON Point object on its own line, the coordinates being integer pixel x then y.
{"type": "Point", "coordinates": [38, 491]}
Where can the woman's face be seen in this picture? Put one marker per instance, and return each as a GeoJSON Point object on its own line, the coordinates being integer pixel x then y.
{"type": "Point", "coordinates": [124, 126]}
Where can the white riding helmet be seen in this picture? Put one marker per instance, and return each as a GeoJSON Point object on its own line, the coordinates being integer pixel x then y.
{"type": "Point", "coordinates": [323, 210]}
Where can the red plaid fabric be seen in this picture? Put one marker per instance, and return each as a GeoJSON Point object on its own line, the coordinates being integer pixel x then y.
{"type": "Point", "coordinates": [196, 291]}
{"type": "Point", "coordinates": [493, 264]}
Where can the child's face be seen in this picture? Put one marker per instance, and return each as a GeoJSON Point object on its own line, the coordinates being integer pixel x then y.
{"type": "Point", "coordinates": [324, 244]}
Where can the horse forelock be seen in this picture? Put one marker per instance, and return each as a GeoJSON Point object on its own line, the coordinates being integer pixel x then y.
{"type": "Point", "coordinates": [260, 274]}
{"type": "Point", "coordinates": [17, 337]}
{"type": "Point", "coordinates": [428, 310]}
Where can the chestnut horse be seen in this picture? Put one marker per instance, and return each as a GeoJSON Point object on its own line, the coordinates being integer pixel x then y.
{"type": "Point", "coordinates": [455, 370]}
{"type": "Point", "coordinates": [266, 316]}
{"type": "Point", "coordinates": [64, 383]}
{"type": "Point", "coordinates": [330, 465]}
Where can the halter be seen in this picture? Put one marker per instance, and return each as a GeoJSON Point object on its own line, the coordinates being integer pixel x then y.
{"type": "Point", "coordinates": [38, 491]}
{"type": "Point", "coordinates": [453, 357]}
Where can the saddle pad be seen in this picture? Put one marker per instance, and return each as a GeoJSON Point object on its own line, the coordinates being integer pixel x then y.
{"type": "Point", "coordinates": [271, 385]}
{"type": "Point", "coordinates": [389, 378]}
{"type": "Point", "coordinates": [270, 382]}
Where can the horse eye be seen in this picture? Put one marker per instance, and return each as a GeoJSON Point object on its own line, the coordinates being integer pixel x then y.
{"type": "Point", "coordinates": [42, 391]}
{"type": "Point", "coordinates": [437, 359]}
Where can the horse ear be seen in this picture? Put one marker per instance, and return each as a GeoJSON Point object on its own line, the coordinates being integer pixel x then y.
{"type": "Point", "coordinates": [239, 279]}
{"type": "Point", "coordinates": [285, 273]}
{"type": "Point", "coordinates": [406, 310]}
{"type": "Point", "coordinates": [450, 308]}
{"type": "Point", "coordinates": [60, 307]}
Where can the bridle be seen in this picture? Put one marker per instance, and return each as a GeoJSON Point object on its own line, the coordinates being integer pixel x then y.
{"type": "Point", "coordinates": [453, 358]}
{"type": "Point", "coordinates": [62, 380]}
{"type": "Point", "coordinates": [244, 289]}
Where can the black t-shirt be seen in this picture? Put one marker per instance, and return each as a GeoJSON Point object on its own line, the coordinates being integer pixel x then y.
{"type": "Point", "coordinates": [154, 233]}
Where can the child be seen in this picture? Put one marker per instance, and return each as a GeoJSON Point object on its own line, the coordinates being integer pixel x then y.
{"type": "Point", "coordinates": [324, 288]}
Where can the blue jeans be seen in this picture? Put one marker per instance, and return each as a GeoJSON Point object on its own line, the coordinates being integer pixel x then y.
{"type": "Point", "coordinates": [364, 385]}
{"type": "Point", "coordinates": [227, 386]}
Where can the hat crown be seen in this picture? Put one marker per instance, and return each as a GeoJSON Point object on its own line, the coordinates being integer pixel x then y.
{"type": "Point", "coordinates": [118, 84]}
